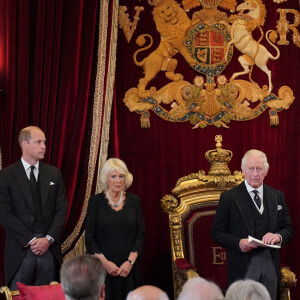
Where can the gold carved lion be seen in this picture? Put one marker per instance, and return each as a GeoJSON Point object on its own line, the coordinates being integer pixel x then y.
{"type": "Point", "coordinates": [172, 23]}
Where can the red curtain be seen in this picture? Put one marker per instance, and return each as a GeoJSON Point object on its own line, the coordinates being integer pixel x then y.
{"type": "Point", "coordinates": [48, 59]}
{"type": "Point", "coordinates": [168, 151]}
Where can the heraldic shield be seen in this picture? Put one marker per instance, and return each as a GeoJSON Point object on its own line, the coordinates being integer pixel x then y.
{"type": "Point", "coordinates": [207, 45]}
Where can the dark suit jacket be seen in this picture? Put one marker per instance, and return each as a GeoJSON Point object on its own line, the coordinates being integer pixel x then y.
{"type": "Point", "coordinates": [234, 221]}
{"type": "Point", "coordinates": [17, 212]}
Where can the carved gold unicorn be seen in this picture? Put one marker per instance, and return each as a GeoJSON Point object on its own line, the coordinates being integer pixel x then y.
{"type": "Point", "coordinates": [241, 36]}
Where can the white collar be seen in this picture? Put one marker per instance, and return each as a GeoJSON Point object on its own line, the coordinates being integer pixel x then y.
{"type": "Point", "coordinates": [250, 189]}
{"type": "Point", "coordinates": [26, 165]}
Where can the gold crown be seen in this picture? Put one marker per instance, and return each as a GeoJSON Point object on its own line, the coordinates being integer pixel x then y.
{"type": "Point", "coordinates": [219, 159]}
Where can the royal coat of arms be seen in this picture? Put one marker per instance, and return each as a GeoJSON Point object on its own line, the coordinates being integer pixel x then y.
{"type": "Point", "coordinates": [207, 41]}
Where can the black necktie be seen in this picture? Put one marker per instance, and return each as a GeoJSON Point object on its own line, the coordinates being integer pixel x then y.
{"type": "Point", "coordinates": [39, 224]}
{"type": "Point", "coordinates": [256, 198]}
{"type": "Point", "coordinates": [32, 180]}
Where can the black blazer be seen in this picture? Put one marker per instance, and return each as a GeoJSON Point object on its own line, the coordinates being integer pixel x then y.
{"type": "Point", "coordinates": [234, 221]}
{"type": "Point", "coordinates": [17, 211]}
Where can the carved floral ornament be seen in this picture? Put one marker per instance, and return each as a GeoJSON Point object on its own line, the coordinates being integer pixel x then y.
{"type": "Point", "coordinates": [207, 41]}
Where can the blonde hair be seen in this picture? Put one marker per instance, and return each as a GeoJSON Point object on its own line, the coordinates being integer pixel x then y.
{"type": "Point", "coordinates": [114, 164]}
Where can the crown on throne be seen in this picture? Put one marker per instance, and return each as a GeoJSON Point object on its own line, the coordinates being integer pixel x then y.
{"type": "Point", "coordinates": [219, 159]}
{"type": "Point", "coordinates": [219, 176]}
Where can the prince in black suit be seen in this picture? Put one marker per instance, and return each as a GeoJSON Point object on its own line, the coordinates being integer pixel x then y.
{"type": "Point", "coordinates": [33, 208]}
{"type": "Point", "coordinates": [255, 209]}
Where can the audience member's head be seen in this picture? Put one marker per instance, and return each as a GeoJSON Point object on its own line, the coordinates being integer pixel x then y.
{"type": "Point", "coordinates": [147, 292]}
{"type": "Point", "coordinates": [82, 277]}
{"type": "Point", "coordinates": [247, 289]}
{"type": "Point", "coordinates": [198, 288]}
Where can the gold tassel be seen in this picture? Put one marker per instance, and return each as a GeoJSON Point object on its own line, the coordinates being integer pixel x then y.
{"type": "Point", "coordinates": [145, 121]}
{"type": "Point", "coordinates": [274, 119]}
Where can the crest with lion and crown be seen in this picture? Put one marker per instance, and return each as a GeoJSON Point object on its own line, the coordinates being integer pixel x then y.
{"type": "Point", "coordinates": [206, 41]}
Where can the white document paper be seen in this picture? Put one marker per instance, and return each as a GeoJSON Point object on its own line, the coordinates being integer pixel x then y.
{"type": "Point", "coordinates": [259, 243]}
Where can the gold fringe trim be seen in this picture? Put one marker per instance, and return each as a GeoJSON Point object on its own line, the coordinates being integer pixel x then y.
{"type": "Point", "coordinates": [98, 135]}
{"type": "Point", "coordinates": [109, 95]}
{"type": "Point", "coordinates": [79, 248]}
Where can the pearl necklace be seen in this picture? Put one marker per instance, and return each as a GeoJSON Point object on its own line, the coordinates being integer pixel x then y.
{"type": "Point", "coordinates": [112, 203]}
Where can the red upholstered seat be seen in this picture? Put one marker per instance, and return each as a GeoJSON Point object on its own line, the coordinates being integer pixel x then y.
{"type": "Point", "coordinates": [53, 291]}
{"type": "Point", "coordinates": [208, 258]}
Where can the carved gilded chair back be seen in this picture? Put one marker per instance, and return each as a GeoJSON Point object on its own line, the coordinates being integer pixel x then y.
{"type": "Point", "coordinates": [191, 209]}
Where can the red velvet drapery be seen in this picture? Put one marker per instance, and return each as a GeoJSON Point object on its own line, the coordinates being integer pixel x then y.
{"type": "Point", "coordinates": [167, 151]}
{"type": "Point", "coordinates": [47, 72]}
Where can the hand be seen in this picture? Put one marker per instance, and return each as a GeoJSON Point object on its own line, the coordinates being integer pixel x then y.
{"type": "Point", "coordinates": [245, 246]}
{"type": "Point", "coordinates": [125, 269]}
{"type": "Point", "coordinates": [110, 267]}
{"type": "Point", "coordinates": [271, 238]}
{"type": "Point", "coordinates": [39, 246]}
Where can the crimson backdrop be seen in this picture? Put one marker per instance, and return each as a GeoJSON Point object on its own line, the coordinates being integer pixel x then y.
{"type": "Point", "coordinates": [48, 62]}
{"type": "Point", "coordinates": [167, 151]}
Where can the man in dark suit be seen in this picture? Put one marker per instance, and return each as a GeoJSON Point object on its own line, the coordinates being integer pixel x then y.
{"type": "Point", "coordinates": [255, 209]}
{"type": "Point", "coordinates": [33, 208]}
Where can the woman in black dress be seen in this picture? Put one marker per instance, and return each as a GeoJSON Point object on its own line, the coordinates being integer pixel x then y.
{"type": "Point", "coordinates": [114, 230]}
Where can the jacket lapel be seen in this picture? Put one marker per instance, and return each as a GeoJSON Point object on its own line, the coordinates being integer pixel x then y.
{"type": "Point", "coordinates": [243, 201]}
{"type": "Point", "coordinates": [23, 182]}
{"type": "Point", "coordinates": [270, 199]}
{"type": "Point", "coordinates": [44, 180]}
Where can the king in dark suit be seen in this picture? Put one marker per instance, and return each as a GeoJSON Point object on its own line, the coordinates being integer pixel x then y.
{"type": "Point", "coordinates": [33, 208]}
{"type": "Point", "coordinates": [255, 209]}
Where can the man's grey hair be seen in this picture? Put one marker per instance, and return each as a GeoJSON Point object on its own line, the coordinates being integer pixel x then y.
{"type": "Point", "coordinates": [82, 277]}
{"type": "Point", "coordinates": [254, 152]}
{"type": "Point", "coordinates": [198, 288]}
{"type": "Point", "coordinates": [247, 289]}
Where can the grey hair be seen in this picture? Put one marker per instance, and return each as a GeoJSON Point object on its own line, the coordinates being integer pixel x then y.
{"type": "Point", "coordinates": [114, 164]}
{"type": "Point", "coordinates": [247, 289]}
{"type": "Point", "coordinates": [254, 152]}
{"type": "Point", "coordinates": [198, 288]}
{"type": "Point", "coordinates": [82, 277]}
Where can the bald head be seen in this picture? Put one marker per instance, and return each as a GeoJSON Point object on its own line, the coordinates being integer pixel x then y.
{"type": "Point", "coordinates": [147, 292]}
